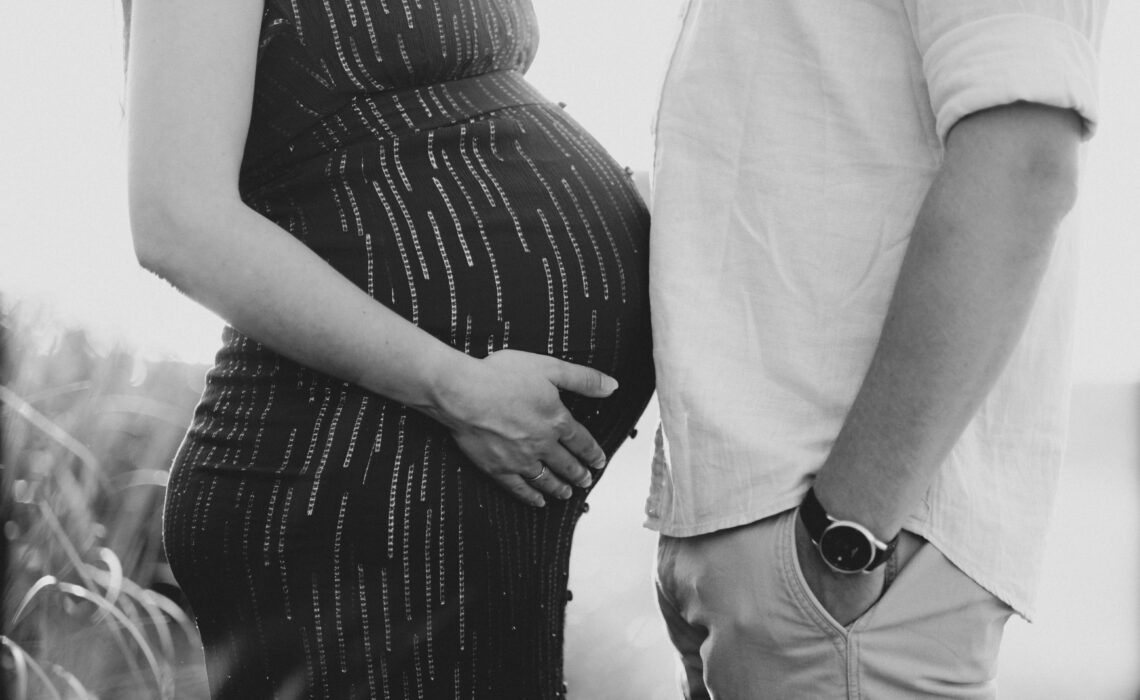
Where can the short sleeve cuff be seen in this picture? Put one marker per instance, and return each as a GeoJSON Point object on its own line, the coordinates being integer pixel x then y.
{"type": "Point", "coordinates": [1011, 58]}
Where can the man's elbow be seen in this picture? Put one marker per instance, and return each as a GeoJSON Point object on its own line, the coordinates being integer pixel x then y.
{"type": "Point", "coordinates": [1045, 178]}
{"type": "Point", "coordinates": [1041, 187]}
{"type": "Point", "coordinates": [1021, 162]}
{"type": "Point", "coordinates": [1031, 148]}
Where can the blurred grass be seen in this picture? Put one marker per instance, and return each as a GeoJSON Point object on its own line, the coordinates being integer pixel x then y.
{"type": "Point", "coordinates": [90, 607]}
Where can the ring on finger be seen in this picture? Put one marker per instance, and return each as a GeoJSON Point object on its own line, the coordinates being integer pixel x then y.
{"type": "Point", "coordinates": [541, 473]}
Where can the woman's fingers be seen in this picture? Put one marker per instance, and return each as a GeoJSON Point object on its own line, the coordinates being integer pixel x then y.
{"type": "Point", "coordinates": [581, 380]}
{"type": "Point", "coordinates": [567, 465]}
{"type": "Point", "coordinates": [563, 470]}
{"type": "Point", "coordinates": [546, 479]}
{"type": "Point", "coordinates": [526, 478]}
{"type": "Point", "coordinates": [581, 444]}
{"type": "Point", "coordinates": [533, 488]}
{"type": "Point", "coordinates": [521, 490]}
{"type": "Point", "coordinates": [517, 423]}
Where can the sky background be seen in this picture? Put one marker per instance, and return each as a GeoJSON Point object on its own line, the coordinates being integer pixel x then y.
{"type": "Point", "coordinates": [64, 240]}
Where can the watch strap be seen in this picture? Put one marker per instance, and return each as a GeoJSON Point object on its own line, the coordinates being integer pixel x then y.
{"type": "Point", "coordinates": [882, 554]}
{"type": "Point", "coordinates": [814, 517]}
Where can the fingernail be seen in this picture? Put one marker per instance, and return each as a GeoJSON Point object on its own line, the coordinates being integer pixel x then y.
{"type": "Point", "coordinates": [539, 502]}
{"type": "Point", "coordinates": [600, 465]}
{"type": "Point", "coordinates": [585, 483]}
{"type": "Point", "coordinates": [610, 385]}
{"type": "Point", "coordinates": [565, 493]}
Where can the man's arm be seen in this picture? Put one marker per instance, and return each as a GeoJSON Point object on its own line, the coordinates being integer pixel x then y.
{"type": "Point", "coordinates": [981, 243]}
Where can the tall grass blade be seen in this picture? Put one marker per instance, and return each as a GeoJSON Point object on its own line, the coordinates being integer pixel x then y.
{"type": "Point", "coordinates": [114, 583]}
{"type": "Point", "coordinates": [141, 477]}
{"type": "Point", "coordinates": [143, 406]}
{"type": "Point", "coordinates": [176, 613]}
{"type": "Point", "coordinates": [23, 409]}
{"type": "Point", "coordinates": [57, 391]}
{"type": "Point", "coordinates": [33, 590]}
{"type": "Point", "coordinates": [161, 682]}
{"type": "Point", "coordinates": [46, 582]}
{"type": "Point", "coordinates": [20, 660]}
{"type": "Point", "coordinates": [73, 683]}
{"type": "Point", "coordinates": [145, 599]}
{"type": "Point", "coordinates": [27, 662]}
{"type": "Point", "coordinates": [68, 546]}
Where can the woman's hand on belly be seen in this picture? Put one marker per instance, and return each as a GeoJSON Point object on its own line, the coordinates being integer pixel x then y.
{"type": "Point", "coordinates": [505, 413]}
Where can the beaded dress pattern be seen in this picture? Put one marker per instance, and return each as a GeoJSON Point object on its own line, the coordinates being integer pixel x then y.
{"type": "Point", "coordinates": [336, 544]}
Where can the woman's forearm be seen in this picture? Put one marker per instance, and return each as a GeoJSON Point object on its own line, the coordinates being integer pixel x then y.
{"type": "Point", "coordinates": [271, 287]}
{"type": "Point", "coordinates": [505, 412]}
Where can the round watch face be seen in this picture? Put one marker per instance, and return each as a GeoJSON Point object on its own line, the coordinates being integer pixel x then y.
{"type": "Point", "coordinates": [846, 548]}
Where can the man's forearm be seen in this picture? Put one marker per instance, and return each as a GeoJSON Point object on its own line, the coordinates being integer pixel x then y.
{"type": "Point", "coordinates": [979, 249]}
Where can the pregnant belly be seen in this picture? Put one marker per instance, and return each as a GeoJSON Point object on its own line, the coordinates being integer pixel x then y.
{"type": "Point", "coordinates": [543, 239]}
{"type": "Point", "coordinates": [514, 229]}
{"type": "Point", "coordinates": [510, 228]}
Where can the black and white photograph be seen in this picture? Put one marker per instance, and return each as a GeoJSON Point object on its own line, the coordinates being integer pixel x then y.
{"type": "Point", "coordinates": [591, 349]}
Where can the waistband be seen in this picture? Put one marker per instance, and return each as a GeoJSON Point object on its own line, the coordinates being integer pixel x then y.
{"type": "Point", "coordinates": [442, 104]}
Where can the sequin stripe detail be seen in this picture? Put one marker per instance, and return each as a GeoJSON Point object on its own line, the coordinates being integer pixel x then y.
{"type": "Point", "coordinates": [452, 299]}
{"type": "Point", "coordinates": [338, 599]}
{"type": "Point", "coordinates": [330, 439]}
{"type": "Point", "coordinates": [608, 231]}
{"type": "Point", "coordinates": [617, 186]}
{"type": "Point", "coordinates": [564, 299]}
{"type": "Point", "coordinates": [558, 208]}
{"type": "Point", "coordinates": [585, 222]}
{"type": "Point", "coordinates": [494, 267]}
{"type": "Point", "coordinates": [366, 636]}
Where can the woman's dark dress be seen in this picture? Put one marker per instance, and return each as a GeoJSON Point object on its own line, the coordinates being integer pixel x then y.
{"type": "Point", "coordinates": [333, 543]}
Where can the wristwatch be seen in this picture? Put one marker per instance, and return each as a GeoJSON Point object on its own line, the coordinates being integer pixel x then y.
{"type": "Point", "coordinates": [845, 546]}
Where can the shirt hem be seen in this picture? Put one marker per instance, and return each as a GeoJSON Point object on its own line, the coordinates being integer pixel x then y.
{"type": "Point", "coordinates": [706, 527]}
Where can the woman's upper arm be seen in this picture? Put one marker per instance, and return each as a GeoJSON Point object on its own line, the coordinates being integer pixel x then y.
{"type": "Point", "coordinates": [190, 82]}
